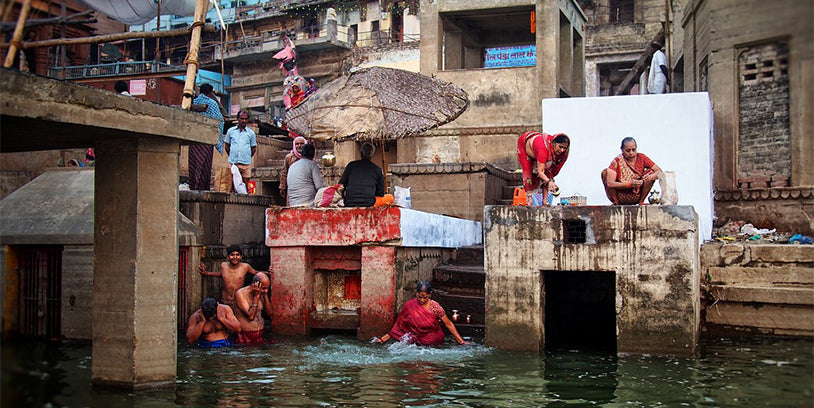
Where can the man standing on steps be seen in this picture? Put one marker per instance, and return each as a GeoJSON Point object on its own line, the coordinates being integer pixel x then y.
{"type": "Point", "coordinates": [241, 145]}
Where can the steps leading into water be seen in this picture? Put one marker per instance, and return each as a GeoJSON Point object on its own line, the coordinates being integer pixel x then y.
{"type": "Point", "coordinates": [460, 286]}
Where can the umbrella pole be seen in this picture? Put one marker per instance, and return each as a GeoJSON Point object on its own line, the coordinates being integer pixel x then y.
{"type": "Point", "coordinates": [384, 164]}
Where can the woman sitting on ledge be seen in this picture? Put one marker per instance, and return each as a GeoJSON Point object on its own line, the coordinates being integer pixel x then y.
{"type": "Point", "coordinates": [419, 321]}
{"type": "Point", "coordinates": [630, 175]}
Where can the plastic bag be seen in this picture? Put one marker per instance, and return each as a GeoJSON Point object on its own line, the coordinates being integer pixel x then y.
{"type": "Point", "coordinates": [237, 180]}
{"type": "Point", "coordinates": [401, 196]}
{"type": "Point", "coordinates": [669, 193]}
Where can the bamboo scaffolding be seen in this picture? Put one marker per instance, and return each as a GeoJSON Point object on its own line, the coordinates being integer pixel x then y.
{"type": "Point", "coordinates": [16, 39]}
{"type": "Point", "coordinates": [113, 37]}
{"type": "Point", "coordinates": [192, 58]}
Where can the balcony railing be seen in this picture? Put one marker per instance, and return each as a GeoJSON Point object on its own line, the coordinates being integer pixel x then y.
{"type": "Point", "coordinates": [111, 69]}
{"type": "Point", "coordinates": [384, 37]}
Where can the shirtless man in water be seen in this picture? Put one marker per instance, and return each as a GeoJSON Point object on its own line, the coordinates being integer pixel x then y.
{"type": "Point", "coordinates": [210, 325]}
{"type": "Point", "coordinates": [252, 301]}
{"type": "Point", "coordinates": [232, 272]}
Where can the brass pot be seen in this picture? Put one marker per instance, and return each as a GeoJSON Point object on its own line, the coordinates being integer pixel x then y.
{"type": "Point", "coordinates": [328, 159]}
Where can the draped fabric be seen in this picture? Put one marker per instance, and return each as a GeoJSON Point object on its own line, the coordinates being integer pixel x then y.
{"type": "Point", "coordinates": [200, 166]}
{"type": "Point", "coordinates": [422, 325]}
{"type": "Point", "coordinates": [136, 12]}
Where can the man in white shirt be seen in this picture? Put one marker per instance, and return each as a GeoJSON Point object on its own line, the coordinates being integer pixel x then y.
{"type": "Point", "coordinates": [657, 81]}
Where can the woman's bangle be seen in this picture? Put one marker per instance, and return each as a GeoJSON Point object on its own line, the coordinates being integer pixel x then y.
{"type": "Point", "coordinates": [629, 184]}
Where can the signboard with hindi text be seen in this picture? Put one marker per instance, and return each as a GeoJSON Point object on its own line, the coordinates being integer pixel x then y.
{"type": "Point", "coordinates": [504, 57]}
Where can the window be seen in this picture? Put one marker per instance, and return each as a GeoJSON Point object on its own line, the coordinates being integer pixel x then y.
{"type": "Point", "coordinates": [494, 38]}
{"type": "Point", "coordinates": [621, 11]}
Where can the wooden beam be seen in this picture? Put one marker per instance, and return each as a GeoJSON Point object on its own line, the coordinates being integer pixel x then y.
{"type": "Point", "coordinates": [634, 73]}
{"type": "Point", "coordinates": [16, 39]}
{"type": "Point", "coordinates": [114, 37]}
{"type": "Point", "coordinates": [53, 20]}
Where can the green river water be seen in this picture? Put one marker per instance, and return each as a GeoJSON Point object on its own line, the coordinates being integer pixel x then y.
{"type": "Point", "coordinates": [337, 371]}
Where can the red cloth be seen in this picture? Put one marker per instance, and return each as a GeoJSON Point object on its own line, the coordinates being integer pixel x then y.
{"type": "Point", "coordinates": [250, 338]}
{"type": "Point", "coordinates": [543, 152]}
{"type": "Point", "coordinates": [423, 325]}
{"type": "Point", "coordinates": [642, 165]}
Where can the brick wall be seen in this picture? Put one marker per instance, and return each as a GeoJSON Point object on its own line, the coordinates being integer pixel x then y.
{"type": "Point", "coordinates": [764, 144]}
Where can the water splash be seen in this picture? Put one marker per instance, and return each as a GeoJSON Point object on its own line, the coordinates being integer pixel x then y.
{"type": "Point", "coordinates": [344, 352]}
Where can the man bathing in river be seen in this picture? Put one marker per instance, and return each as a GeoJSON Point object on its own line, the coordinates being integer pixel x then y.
{"type": "Point", "coordinates": [210, 325]}
{"type": "Point", "coordinates": [232, 272]}
{"type": "Point", "coordinates": [252, 301]}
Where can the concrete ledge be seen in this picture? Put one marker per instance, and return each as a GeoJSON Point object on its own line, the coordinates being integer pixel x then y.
{"type": "Point", "coordinates": [57, 114]}
{"type": "Point", "coordinates": [743, 275]}
{"type": "Point", "coordinates": [774, 295]}
{"type": "Point", "coordinates": [762, 318]}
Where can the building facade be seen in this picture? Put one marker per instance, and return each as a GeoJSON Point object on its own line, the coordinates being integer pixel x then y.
{"type": "Point", "coordinates": [754, 59]}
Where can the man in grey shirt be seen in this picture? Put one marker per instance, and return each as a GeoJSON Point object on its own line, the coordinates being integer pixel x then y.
{"type": "Point", "coordinates": [304, 179]}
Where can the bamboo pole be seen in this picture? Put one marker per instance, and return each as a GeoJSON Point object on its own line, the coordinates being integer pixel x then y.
{"type": "Point", "coordinates": [113, 37]}
{"type": "Point", "coordinates": [16, 39]}
{"type": "Point", "coordinates": [192, 58]}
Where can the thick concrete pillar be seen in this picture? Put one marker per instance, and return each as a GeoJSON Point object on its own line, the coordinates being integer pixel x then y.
{"type": "Point", "coordinates": [136, 263]}
{"type": "Point", "coordinates": [292, 287]}
{"type": "Point", "coordinates": [378, 291]}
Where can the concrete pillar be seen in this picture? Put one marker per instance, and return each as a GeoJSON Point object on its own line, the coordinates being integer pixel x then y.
{"type": "Point", "coordinates": [292, 287]}
{"type": "Point", "coordinates": [378, 291]}
{"type": "Point", "coordinates": [136, 263]}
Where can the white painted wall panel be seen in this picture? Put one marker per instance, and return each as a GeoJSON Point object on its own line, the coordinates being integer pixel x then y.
{"type": "Point", "coordinates": [674, 130]}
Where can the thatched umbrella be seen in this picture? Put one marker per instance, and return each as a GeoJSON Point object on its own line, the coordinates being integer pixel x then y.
{"type": "Point", "coordinates": [377, 104]}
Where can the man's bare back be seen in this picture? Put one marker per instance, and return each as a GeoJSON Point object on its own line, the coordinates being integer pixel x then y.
{"type": "Point", "coordinates": [232, 273]}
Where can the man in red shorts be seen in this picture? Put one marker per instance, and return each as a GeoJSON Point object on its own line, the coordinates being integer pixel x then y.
{"type": "Point", "coordinates": [252, 301]}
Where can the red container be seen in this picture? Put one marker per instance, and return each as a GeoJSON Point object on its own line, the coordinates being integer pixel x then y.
{"type": "Point", "coordinates": [251, 187]}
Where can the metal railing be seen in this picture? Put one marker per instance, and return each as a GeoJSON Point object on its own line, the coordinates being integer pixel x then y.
{"type": "Point", "coordinates": [384, 37]}
{"type": "Point", "coordinates": [111, 69]}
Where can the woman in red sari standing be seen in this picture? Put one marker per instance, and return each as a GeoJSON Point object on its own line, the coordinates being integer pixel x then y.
{"type": "Point", "coordinates": [541, 158]}
{"type": "Point", "coordinates": [420, 320]}
{"type": "Point", "coordinates": [630, 175]}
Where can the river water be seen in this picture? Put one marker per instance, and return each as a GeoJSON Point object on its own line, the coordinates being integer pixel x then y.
{"type": "Point", "coordinates": [337, 371]}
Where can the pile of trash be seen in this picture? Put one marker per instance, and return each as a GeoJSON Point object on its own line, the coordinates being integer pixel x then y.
{"type": "Point", "coordinates": [737, 230]}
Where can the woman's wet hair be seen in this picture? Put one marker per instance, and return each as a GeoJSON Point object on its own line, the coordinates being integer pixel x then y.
{"type": "Point", "coordinates": [628, 139]}
{"type": "Point", "coordinates": [423, 286]}
{"type": "Point", "coordinates": [209, 308]}
{"type": "Point", "coordinates": [562, 138]}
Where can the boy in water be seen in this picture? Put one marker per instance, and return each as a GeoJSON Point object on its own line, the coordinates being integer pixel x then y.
{"type": "Point", "coordinates": [232, 272]}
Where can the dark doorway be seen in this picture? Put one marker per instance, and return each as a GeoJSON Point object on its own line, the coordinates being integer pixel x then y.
{"type": "Point", "coordinates": [580, 310]}
{"type": "Point", "coordinates": [40, 291]}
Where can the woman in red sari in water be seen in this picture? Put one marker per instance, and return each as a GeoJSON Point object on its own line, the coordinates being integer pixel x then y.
{"type": "Point", "coordinates": [630, 175]}
{"type": "Point", "coordinates": [419, 321]}
{"type": "Point", "coordinates": [541, 157]}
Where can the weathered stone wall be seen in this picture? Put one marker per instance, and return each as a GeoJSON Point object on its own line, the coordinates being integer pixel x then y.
{"type": "Point", "coordinates": [760, 289]}
{"type": "Point", "coordinates": [225, 218]}
{"type": "Point", "coordinates": [77, 291]}
{"type": "Point", "coordinates": [458, 190]}
{"type": "Point", "coordinates": [652, 250]}
{"type": "Point", "coordinates": [714, 36]}
{"type": "Point", "coordinates": [764, 140]}
{"type": "Point", "coordinates": [786, 209]}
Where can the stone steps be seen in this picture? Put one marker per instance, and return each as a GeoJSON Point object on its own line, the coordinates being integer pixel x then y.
{"type": "Point", "coordinates": [760, 288]}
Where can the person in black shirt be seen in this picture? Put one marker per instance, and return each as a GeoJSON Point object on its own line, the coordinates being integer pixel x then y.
{"type": "Point", "coordinates": [364, 181]}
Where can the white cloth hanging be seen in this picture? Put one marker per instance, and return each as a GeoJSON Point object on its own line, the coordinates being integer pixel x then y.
{"type": "Point", "coordinates": [134, 12]}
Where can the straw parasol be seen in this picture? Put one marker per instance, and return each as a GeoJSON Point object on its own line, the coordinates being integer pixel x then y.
{"type": "Point", "coordinates": [377, 104]}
